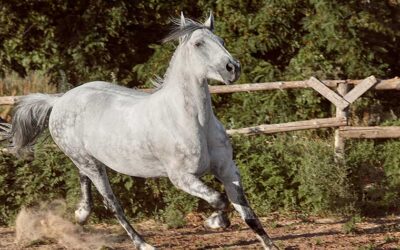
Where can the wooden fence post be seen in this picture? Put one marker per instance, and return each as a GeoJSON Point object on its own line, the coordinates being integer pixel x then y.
{"type": "Point", "coordinates": [342, 89]}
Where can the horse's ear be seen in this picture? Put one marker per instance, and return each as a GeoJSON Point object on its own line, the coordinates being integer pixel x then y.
{"type": "Point", "coordinates": [183, 22]}
{"type": "Point", "coordinates": [210, 22]}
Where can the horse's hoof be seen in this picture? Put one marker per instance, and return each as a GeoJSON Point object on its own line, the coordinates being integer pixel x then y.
{"type": "Point", "coordinates": [81, 215]}
{"type": "Point", "coordinates": [271, 246]}
{"type": "Point", "coordinates": [145, 246]}
{"type": "Point", "coordinates": [267, 243]}
{"type": "Point", "coordinates": [274, 247]}
{"type": "Point", "coordinates": [217, 220]}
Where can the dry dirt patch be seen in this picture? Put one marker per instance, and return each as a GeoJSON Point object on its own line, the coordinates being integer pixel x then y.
{"type": "Point", "coordinates": [288, 233]}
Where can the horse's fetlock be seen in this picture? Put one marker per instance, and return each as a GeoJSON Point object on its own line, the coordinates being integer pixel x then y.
{"type": "Point", "coordinates": [218, 220]}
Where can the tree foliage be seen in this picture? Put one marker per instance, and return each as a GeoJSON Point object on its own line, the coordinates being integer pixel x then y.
{"type": "Point", "coordinates": [88, 39]}
{"type": "Point", "coordinates": [274, 40]}
{"type": "Point", "coordinates": [298, 39]}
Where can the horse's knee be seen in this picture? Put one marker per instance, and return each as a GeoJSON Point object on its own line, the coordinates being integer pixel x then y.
{"type": "Point", "coordinates": [219, 201]}
{"type": "Point", "coordinates": [218, 220]}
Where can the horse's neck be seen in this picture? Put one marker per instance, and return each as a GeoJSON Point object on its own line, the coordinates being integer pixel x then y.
{"type": "Point", "coordinates": [188, 91]}
{"type": "Point", "coordinates": [192, 99]}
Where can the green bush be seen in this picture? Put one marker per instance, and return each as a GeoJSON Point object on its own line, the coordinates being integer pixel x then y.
{"type": "Point", "coordinates": [50, 175]}
{"type": "Point", "coordinates": [292, 172]}
{"type": "Point", "coordinates": [288, 172]}
{"type": "Point", "coordinates": [274, 40]}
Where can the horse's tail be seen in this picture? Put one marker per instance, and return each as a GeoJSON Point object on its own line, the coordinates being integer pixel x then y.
{"type": "Point", "coordinates": [30, 119]}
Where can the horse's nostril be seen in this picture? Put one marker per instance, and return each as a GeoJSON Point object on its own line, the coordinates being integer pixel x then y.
{"type": "Point", "coordinates": [229, 67]}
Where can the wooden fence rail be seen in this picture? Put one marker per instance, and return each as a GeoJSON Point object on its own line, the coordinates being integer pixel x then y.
{"type": "Point", "coordinates": [388, 84]}
{"type": "Point", "coordinates": [370, 132]}
{"type": "Point", "coordinates": [347, 92]}
{"type": "Point", "coordinates": [290, 126]}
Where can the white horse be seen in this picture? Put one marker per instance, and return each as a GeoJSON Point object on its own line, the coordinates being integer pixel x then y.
{"type": "Point", "coordinates": [172, 132]}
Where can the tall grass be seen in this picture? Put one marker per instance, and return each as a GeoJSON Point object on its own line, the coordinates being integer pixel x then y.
{"type": "Point", "coordinates": [12, 84]}
{"type": "Point", "coordinates": [35, 81]}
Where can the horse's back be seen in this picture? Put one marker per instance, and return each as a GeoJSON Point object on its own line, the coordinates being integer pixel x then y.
{"type": "Point", "coordinates": [89, 92]}
{"type": "Point", "coordinates": [92, 99]}
{"type": "Point", "coordinates": [110, 88]}
{"type": "Point", "coordinates": [98, 95]}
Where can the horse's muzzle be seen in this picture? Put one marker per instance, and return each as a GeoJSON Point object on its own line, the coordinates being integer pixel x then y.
{"type": "Point", "coordinates": [234, 68]}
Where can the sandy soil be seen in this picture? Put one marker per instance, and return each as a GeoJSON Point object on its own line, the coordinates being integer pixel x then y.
{"type": "Point", "coordinates": [288, 233]}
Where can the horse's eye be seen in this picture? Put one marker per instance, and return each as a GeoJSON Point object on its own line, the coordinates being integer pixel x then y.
{"type": "Point", "coordinates": [198, 43]}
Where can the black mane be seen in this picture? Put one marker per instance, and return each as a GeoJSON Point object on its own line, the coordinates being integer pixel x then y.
{"type": "Point", "coordinates": [178, 31]}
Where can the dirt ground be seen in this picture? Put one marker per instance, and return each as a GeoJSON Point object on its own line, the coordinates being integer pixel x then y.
{"type": "Point", "coordinates": [288, 233]}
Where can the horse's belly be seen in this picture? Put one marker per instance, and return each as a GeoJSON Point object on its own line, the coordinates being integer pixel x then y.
{"type": "Point", "coordinates": [143, 169]}
{"type": "Point", "coordinates": [132, 165]}
{"type": "Point", "coordinates": [124, 154]}
{"type": "Point", "coordinates": [142, 161]}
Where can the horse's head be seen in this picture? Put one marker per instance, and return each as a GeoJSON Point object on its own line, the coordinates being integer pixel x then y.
{"type": "Point", "coordinates": [204, 51]}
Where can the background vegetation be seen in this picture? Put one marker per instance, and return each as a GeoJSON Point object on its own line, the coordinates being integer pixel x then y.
{"type": "Point", "coordinates": [50, 46]}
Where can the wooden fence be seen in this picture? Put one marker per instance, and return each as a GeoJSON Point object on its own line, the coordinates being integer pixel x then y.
{"type": "Point", "coordinates": [347, 91]}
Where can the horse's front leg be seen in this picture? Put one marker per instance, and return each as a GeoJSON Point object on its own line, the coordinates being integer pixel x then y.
{"type": "Point", "coordinates": [218, 219]}
{"type": "Point", "coordinates": [193, 185]}
{"type": "Point", "coordinates": [229, 175]}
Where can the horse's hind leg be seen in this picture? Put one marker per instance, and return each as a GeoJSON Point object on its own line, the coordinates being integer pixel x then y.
{"type": "Point", "coordinates": [96, 172]}
{"type": "Point", "coordinates": [86, 203]}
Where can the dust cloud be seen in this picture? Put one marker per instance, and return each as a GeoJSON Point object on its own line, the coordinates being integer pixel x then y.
{"type": "Point", "coordinates": [45, 222]}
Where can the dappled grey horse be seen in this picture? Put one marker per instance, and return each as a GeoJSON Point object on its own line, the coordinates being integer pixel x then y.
{"type": "Point", "coordinates": [172, 132]}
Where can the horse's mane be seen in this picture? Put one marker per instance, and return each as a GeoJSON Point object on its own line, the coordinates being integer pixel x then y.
{"type": "Point", "coordinates": [179, 31]}
{"type": "Point", "coordinates": [157, 82]}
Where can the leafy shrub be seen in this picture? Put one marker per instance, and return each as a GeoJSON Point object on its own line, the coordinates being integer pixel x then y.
{"type": "Point", "coordinates": [324, 183]}
{"type": "Point", "coordinates": [273, 40]}
{"type": "Point", "coordinates": [174, 218]}
{"type": "Point", "coordinates": [50, 175]}
{"type": "Point", "coordinates": [292, 172]}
